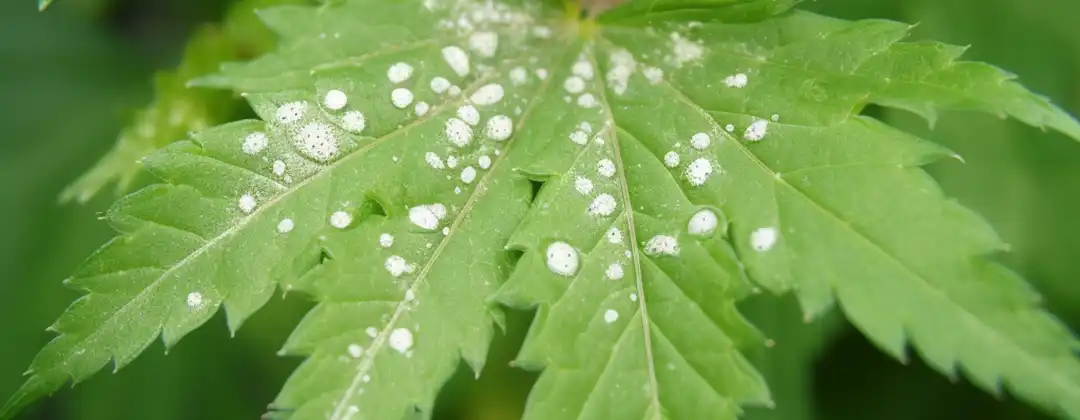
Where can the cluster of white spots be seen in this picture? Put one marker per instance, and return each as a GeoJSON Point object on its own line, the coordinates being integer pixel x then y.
{"type": "Point", "coordinates": [730, 128]}
{"type": "Point", "coordinates": [194, 300]}
{"type": "Point", "coordinates": [700, 141]}
{"type": "Point", "coordinates": [468, 175]}
{"type": "Point", "coordinates": [653, 75]}
{"type": "Point", "coordinates": [611, 315]}
{"type": "Point", "coordinates": [603, 205]}
{"type": "Point", "coordinates": [399, 72]}
{"type": "Point", "coordinates": [583, 185]}
{"type": "Point", "coordinates": [291, 112]}
{"type": "Point", "coordinates": [614, 235]}
{"type": "Point", "coordinates": [354, 121]}
{"type": "Point", "coordinates": [763, 239]}
{"type": "Point", "coordinates": [278, 167]}
{"type": "Point", "coordinates": [662, 245]}
{"type": "Point", "coordinates": [541, 74]}
{"type": "Point", "coordinates": [286, 225]}
{"type": "Point", "coordinates": [579, 137]}
{"type": "Point", "coordinates": [587, 101]}
{"type": "Point", "coordinates": [401, 97]}
{"type": "Point", "coordinates": [622, 67]}
{"type": "Point", "coordinates": [583, 69]}
{"type": "Point", "coordinates": [469, 114]}
{"type": "Point", "coordinates": [699, 171]}
{"type": "Point", "coordinates": [317, 141]}
{"type": "Point", "coordinates": [440, 85]}
{"type": "Point", "coordinates": [484, 162]}
{"type": "Point", "coordinates": [574, 84]}
{"type": "Point", "coordinates": [459, 132]}
{"type": "Point", "coordinates": [335, 100]}
{"type": "Point", "coordinates": [606, 168]}
{"type": "Point", "coordinates": [684, 50]}
{"type": "Point", "coordinates": [737, 81]}
{"type": "Point", "coordinates": [562, 259]}
{"type": "Point", "coordinates": [421, 108]}
{"type": "Point", "coordinates": [702, 223]}
{"type": "Point", "coordinates": [386, 240]}
{"type": "Point", "coordinates": [433, 160]}
{"type": "Point", "coordinates": [246, 203]}
{"type": "Point", "coordinates": [255, 143]}
{"type": "Point", "coordinates": [519, 76]}
{"type": "Point", "coordinates": [397, 266]}
{"type": "Point", "coordinates": [340, 219]}
{"type": "Point", "coordinates": [484, 43]}
{"type": "Point", "coordinates": [499, 128]}
{"type": "Point", "coordinates": [614, 272]}
{"type": "Point", "coordinates": [671, 159]}
{"type": "Point", "coordinates": [427, 216]}
{"type": "Point", "coordinates": [401, 339]}
{"type": "Point", "coordinates": [355, 351]}
{"type": "Point", "coordinates": [487, 94]}
{"type": "Point", "coordinates": [457, 59]}
{"type": "Point", "coordinates": [757, 130]}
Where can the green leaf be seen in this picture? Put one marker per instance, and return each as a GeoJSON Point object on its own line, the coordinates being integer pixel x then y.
{"type": "Point", "coordinates": [390, 179]}
{"type": "Point", "coordinates": [44, 4]}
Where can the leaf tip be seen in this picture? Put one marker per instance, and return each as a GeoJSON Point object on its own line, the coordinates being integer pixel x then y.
{"type": "Point", "coordinates": [42, 5]}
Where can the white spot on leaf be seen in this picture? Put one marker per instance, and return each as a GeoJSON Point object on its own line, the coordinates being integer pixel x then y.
{"type": "Point", "coordinates": [335, 100]}
{"type": "Point", "coordinates": [484, 43]}
{"type": "Point", "coordinates": [700, 141]}
{"type": "Point", "coordinates": [399, 72]}
{"type": "Point", "coordinates": [285, 225]}
{"type": "Point", "coordinates": [702, 223]}
{"type": "Point", "coordinates": [487, 94]}
{"type": "Point", "coordinates": [583, 185]}
{"type": "Point", "coordinates": [401, 98]}
{"type": "Point", "coordinates": [340, 219]}
{"type": "Point", "coordinates": [354, 121]}
{"type": "Point", "coordinates": [671, 159]}
{"type": "Point", "coordinates": [763, 239]}
{"type": "Point", "coordinates": [427, 216]}
{"type": "Point", "coordinates": [401, 339]}
{"type": "Point", "coordinates": [614, 272]}
{"type": "Point", "coordinates": [662, 245]}
{"type": "Point", "coordinates": [603, 205]}
{"type": "Point", "coordinates": [562, 259]}
{"type": "Point", "coordinates": [757, 130]}
{"type": "Point", "coordinates": [457, 59]}
{"type": "Point", "coordinates": [459, 132]}
{"type": "Point", "coordinates": [397, 266]}
{"type": "Point", "coordinates": [255, 143]}
{"type": "Point", "coordinates": [246, 203]}
{"type": "Point", "coordinates": [737, 81]}
{"type": "Point", "coordinates": [440, 85]}
{"type": "Point", "coordinates": [606, 168]}
{"type": "Point", "coordinates": [500, 128]}
{"type": "Point", "coordinates": [317, 141]}
{"type": "Point", "coordinates": [468, 175]}
{"type": "Point", "coordinates": [386, 240]}
{"type": "Point", "coordinates": [291, 112]}
{"type": "Point", "coordinates": [699, 171]}
{"type": "Point", "coordinates": [194, 300]}
{"type": "Point", "coordinates": [469, 114]}
{"type": "Point", "coordinates": [611, 315]}
{"type": "Point", "coordinates": [614, 235]}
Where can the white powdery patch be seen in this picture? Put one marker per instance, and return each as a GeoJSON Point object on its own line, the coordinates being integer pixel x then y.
{"type": "Point", "coordinates": [399, 72]}
{"type": "Point", "coordinates": [583, 69]}
{"type": "Point", "coordinates": [623, 66]}
{"type": "Point", "coordinates": [371, 332]}
{"type": "Point", "coordinates": [427, 216]}
{"type": "Point", "coordinates": [763, 239]}
{"type": "Point", "coordinates": [194, 300]}
{"type": "Point", "coordinates": [278, 167]}
{"type": "Point", "coordinates": [737, 81]}
{"type": "Point", "coordinates": [487, 95]}
{"type": "Point", "coordinates": [541, 74]}
{"type": "Point", "coordinates": [451, 161]}
{"type": "Point", "coordinates": [355, 351]}
{"type": "Point", "coordinates": [499, 128]}
{"type": "Point", "coordinates": [291, 112]}
{"type": "Point", "coordinates": [579, 137]}
{"type": "Point", "coordinates": [671, 159]}
{"type": "Point", "coordinates": [585, 126]}
{"type": "Point", "coordinates": [317, 141]}
{"type": "Point", "coordinates": [440, 85]}
{"type": "Point", "coordinates": [606, 168]}
{"type": "Point", "coordinates": [469, 114]}
{"type": "Point", "coordinates": [700, 141]}
{"type": "Point", "coordinates": [484, 162]}
{"type": "Point", "coordinates": [698, 172]}
{"type": "Point", "coordinates": [421, 108]}
{"type": "Point", "coordinates": [354, 121]}
{"type": "Point", "coordinates": [386, 240]}
{"type": "Point", "coordinates": [401, 98]}
{"type": "Point", "coordinates": [614, 272]}
{"type": "Point", "coordinates": [246, 204]}
{"type": "Point", "coordinates": [286, 225]}
{"type": "Point", "coordinates": [484, 43]}
{"type": "Point", "coordinates": [653, 75]}
{"type": "Point", "coordinates": [468, 175]}
{"type": "Point", "coordinates": [574, 85]}
{"type": "Point", "coordinates": [433, 160]}
{"type": "Point", "coordinates": [401, 339]}
{"type": "Point", "coordinates": [335, 100]}
{"type": "Point", "coordinates": [684, 50]}
{"type": "Point", "coordinates": [255, 143]}
{"type": "Point", "coordinates": [662, 245]}
{"type": "Point", "coordinates": [757, 130]}
{"type": "Point", "coordinates": [614, 235]}
{"type": "Point", "coordinates": [519, 76]}
{"type": "Point", "coordinates": [702, 223]}
{"type": "Point", "coordinates": [340, 219]}
{"type": "Point", "coordinates": [611, 315]}
{"type": "Point", "coordinates": [459, 132]}
{"type": "Point", "coordinates": [562, 259]}
{"type": "Point", "coordinates": [454, 91]}
{"type": "Point", "coordinates": [457, 59]}
{"type": "Point", "coordinates": [397, 266]}
{"type": "Point", "coordinates": [587, 101]}
{"type": "Point", "coordinates": [604, 205]}
{"type": "Point", "coordinates": [583, 185]}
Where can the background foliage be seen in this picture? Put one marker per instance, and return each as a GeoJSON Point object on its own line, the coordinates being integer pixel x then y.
{"type": "Point", "coordinates": [74, 76]}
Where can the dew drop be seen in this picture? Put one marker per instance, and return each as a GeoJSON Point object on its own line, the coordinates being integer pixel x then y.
{"type": "Point", "coordinates": [484, 43]}
{"type": "Point", "coordinates": [469, 114]}
{"type": "Point", "coordinates": [579, 137]}
{"type": "Point", "coordinates": [583, 69]}
{"type": "Point", "coordinates": [519, 76]}
{"type": "Point", "coordinates": [614, 272]}
{"type": "Point", "coordinates": [246, 203]}
{"type": "Point", "coordinates": [468, 175]}
{"type": "Point", "coordinates": [757, 130]}
{"type": "Point", "coordinates": [422, 108]}
{"type": "Point", "coordinates": [427, 216]}
{"type": "Point", "coordinates": [737, 81]}
{"type": "Point", "coordinates": [317, 141]}
{"type": "Point", "coordinates": [614, 235]}
{"type": "Point", "coordinates": [397, 266]}
{"type": "Point", "coordinates": [433, 160]}
{"type": "Point", "coordinates": [583, 185]}
{"type": "Point", "coordinates": [440, 85]}
{"type": "Point", "coordinates": [699, 171]}
{"type": "Point", "coordinates": [278, 167]}
{"type": "Point", "coordinates": [587, 101]}
{"type": "Point", "coordinates": [700, 141]}
{"type": "Point", "coordinates": [291, 112]}
{"type": "Point", "coordinates": [484, 162]}
{"type": "Point", "coordinates": [355, 351]}
{"type": "Point", "coordinates": [574, 85]}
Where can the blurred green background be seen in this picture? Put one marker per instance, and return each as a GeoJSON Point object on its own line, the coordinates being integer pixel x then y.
{"type": "Point", "coordinates": [72, 78]}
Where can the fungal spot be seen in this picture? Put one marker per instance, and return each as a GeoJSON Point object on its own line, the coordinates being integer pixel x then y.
{"type": "Point", "coordinates": [340, 219]}
{"type": "Point", "coordinates": [278, 167]}
{"type": "Point", "coordinates": [541, 74]}
{"type": "Point", "coordinates": [317, 141]}
{"type": "Point", "coordinates": [285, 225]}
{"type": "Point", "coordinates": [446, 231]}
{"type": "Point", "coordinates": [614, 235]}
{"type": "Point", "coordinates": [757, 130]}
{"type": "Point", "coordinates": [562, 259]}
{"type": "Point", "coordinates": [366, 378]}
{"type": "Point", "coordinates": [484, 43]}
{"type": "Point", "coordinates": [354, 122]}
{"type": "Point", "coordinates": [587, 101]}
{"type": "Point", "coordinates": [519, 76]}
{"type": "Point", "coordinates": [487, 94]}
{"type": "Point", "coordinates": [468, 175]}
{"type": "Point", "coordinates": [397, 266]}
{"type": "Point", "coordinates": [583, 69]}
{"type": "Point", "coordinates": [500, 128]}
{"type": "Point", "coordinates": [653, 75]}
{"type": "Point", "coordinates": [194, 300]}
{"type": "Point", "coordinates": [459, 132]}
{"type": "Point", "coordinates": [371, 332]}
{"type": "Point", "coordinates": [574, 85]}
{"type": "Point", "coordinates": [399, 72]}
{"type": "Point", "coordinates": [401, 97]}
{"type": "Point", "coordinates": [611, 315]}
{"type": "Point", "coordinates": [422, 108]}
{"type": "Point", "coordinates": [737, 81]}
{"type": "Point", "coordinates": [451, 161]}
{"type": "Point", "coordinates": [469, 114]}
{"type": "Point", "coordinates": [699, 171]}
{"type": "Point", "coordinates": [671, 159]}
{"type": "Point", "coordinates": [255, 143]}
{"type": "Point", "coordinates": [457, 59]}
{"type": "Point", "coordinates": [763, 239]}
{"type": "Point", "coordinates": [427, 216]}
{"type": "Point", "coordinates": [700, 141]}
{"type": "Point", "coordinates": [291, 112]}
{"type": "Point", "coordinates": [585, 126]}
{"type": "Point", "coordinates": [622, 67]}
{"type": "Point", "coordinates": [614, 272]}
{"type": "Point", "coordinates": [335, 100]}
{"type": "Point", "coordinates": [433, 160]}
{"type": "Point", "coordinates": [684, 50]}
{"type": "Point", "coordinates": [246, 204]}
{"type": "Point", "coordinates": [702, 223]}
{"type": "Point", "coordinates": [603, 205]}
{"type": "Point", "coordinates": [606, 168]}
{"type": "Point", "coordinates": [662, 245]}
{"type": "Point", "coordinates": [583, 185]}
{"type": "Point", "coordinates": [579, 137]}
{"type": "Point", "coordinates": [386, 240]}
{"type": "Point", "coordinates": [633, 297]}
{"type": "Point", "coordinates": [410, 295]}
{"type": "Point", "coordinates": [440, 85]}
{"type": "Point", "coordinates": [484, 162]}
{"type": "Point", "coordinates": [355, 351]}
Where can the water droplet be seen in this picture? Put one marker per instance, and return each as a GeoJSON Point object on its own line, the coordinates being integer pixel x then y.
{"type": "Point", "coordinates": [700, 141]}
{"type": "Point", "coordinates": [469, 114]}
{"type": "Point", "coordinates": [485, 43]}
{"type": "Point", "coordinates": [757, 130]}
{"type": "Point", "coordinates": [737, 81]}
{"type": "Point", "coordinates": [291, 112]}
{"type": "Point", "coordinates": [247, 203]}
{"type": "Point", "coordinates": [439, 85]}
{"type": "Point", "coordinates": [317, 141]}
{"type": "Point", "coordinates": [583, 185]}
{"type": "Point", "coordinates": [397, 266]}
{"type": "Point", "coordinates": [354, 121]}
{"type": "Point", "coordinates": [487, 94]}
{"type": "Point", "coordinates": [459, 132]}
